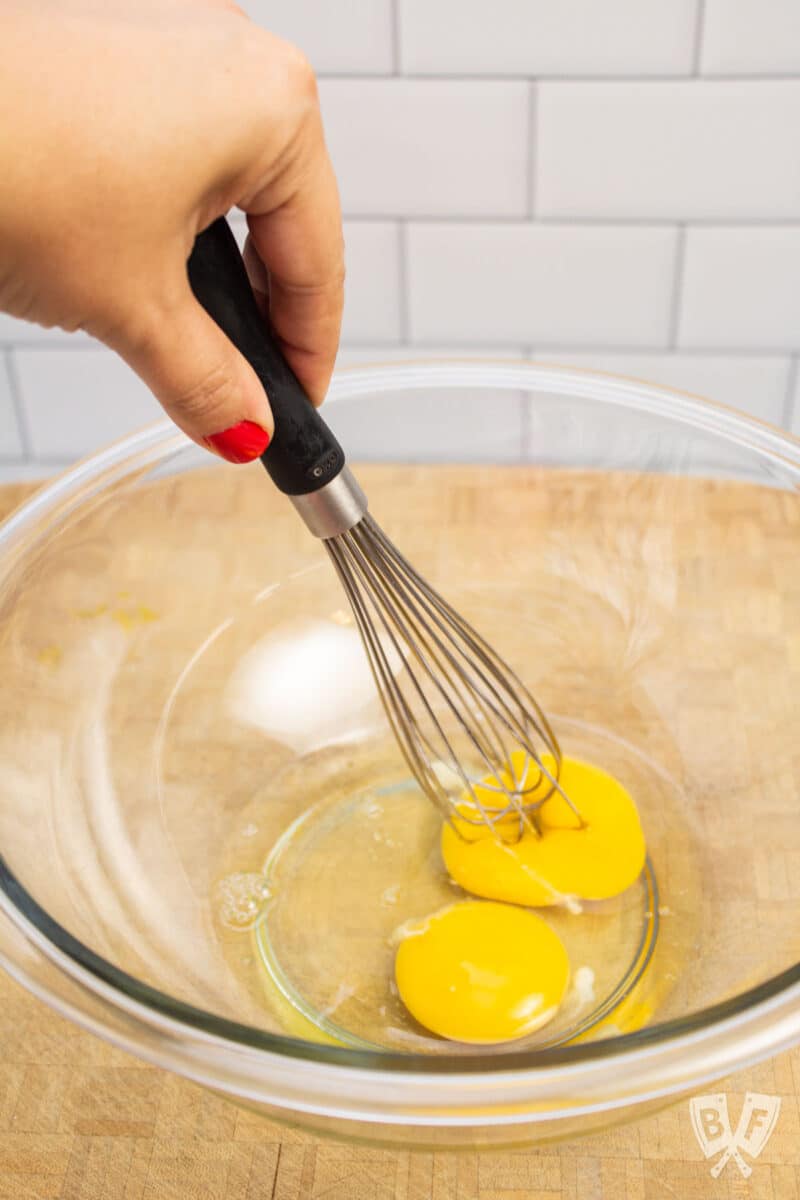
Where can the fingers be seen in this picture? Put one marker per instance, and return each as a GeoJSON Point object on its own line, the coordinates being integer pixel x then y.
{"type": "Point", "coordinates": [257, 274]}
{"type": "Point", "coordinates": [284, 181]}
{"type": "Point", "coordinates": [300, 242]}
{"type": "Point", "coordinates": [201, 379]}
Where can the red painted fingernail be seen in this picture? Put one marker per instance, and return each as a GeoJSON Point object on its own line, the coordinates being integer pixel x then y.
{"type": "Point", "coordinates": [241, 443]}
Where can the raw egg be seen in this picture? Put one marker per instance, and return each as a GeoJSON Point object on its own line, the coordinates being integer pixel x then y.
{"type": "Point", "coordinates": [591, 861]}
{"type": "Point", "coordinates": [481, 972]}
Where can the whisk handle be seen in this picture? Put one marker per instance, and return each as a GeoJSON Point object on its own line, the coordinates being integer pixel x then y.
{"type": "Point", "coordinates": [303, 455]}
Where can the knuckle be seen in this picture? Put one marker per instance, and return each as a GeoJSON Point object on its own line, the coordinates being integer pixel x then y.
{"type": "Point", "coordinates": [290, 69]}
{"type": "Point", "coordinates": [205, 398]}
{"type": "Point", "coordinates": [286, 110]}
{"type": "Point", "coordinates": [301, 74]}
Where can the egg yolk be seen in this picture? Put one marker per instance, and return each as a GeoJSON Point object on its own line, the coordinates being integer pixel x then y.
{"type": "Point", "coordinates": [592, 862]}
{"type": "Point", "coordinates": [482, 972]}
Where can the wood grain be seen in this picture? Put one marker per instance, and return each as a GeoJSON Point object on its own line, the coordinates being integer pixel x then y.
{"type": "Point", "coordinates": [80, 1120]}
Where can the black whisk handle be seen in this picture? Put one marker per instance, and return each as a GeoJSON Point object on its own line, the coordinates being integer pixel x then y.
{"type": "Point", "coordinates": [303, 455]}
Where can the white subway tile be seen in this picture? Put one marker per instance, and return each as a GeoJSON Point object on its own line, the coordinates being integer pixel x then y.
{"type": "Point", "coordinates": [78, 400]}
{"type": "Point", "coordinates": [754, 384]}
{"type": "Point", "coordinates": [610, 438]}
{"type": "Point", "coordinates": [10, 441]}
{"type": "Point", "coordinates": [372, 283]}
{"type": "Point", "coordinates": [428, 147]}
{"type": "Point", "coordinates": [538, 37]}
{"type": "Point", "coordinates": [435, 425]}
{"type": "Point", "coordinates": [741, 288]}
{"type": "Point", "coordinates": [420, 426]}
{"type": "Point", "coordinates": [512, 283]}
{"type": "Point", "coordinates": [238, 223]}
{"type": "Point", "coordinates": [347, 36]}
{"type": "Point", "coordinates": [374, 355]}
{"type": "Point", "coordinates": [758, 37]}
{"type": "Point", "coordinates": [14, 332]}
{"type": "Point", "coordinates": [30, 472]}
{"type": "Point", "coordinates": [795, 401]}
{"type": "Point", "coordinates": [440, 425]}
{"type": "Point", "coordinates": [701, 149]}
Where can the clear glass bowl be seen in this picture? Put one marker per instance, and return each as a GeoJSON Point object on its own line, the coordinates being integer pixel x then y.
{"type": "Point", "coordinates": [209, 840]}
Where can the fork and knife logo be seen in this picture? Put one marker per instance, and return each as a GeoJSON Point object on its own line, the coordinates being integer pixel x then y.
{"type": "Point", "coordinates": [712, 1128]}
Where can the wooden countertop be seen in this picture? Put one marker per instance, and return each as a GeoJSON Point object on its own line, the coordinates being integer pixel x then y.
{"type": "Point", "coordinates": [80, 1120]}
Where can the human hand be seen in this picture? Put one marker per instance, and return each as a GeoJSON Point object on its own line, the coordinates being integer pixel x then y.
{"type": "Point", "coordinates": [135, 124]}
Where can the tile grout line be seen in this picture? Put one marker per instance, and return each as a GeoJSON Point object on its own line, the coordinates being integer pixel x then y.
{"type": "Point", "coordinates": [517, 77]}
{"type": "Point", "coordinates": [792, 377]}
{"type": "Point", "coordinates": [533, 148]}
{"type": "Point", "coordinates": [677, 288]}
{"type": "Point", "coordinates": [70, 342]}
{"type": "Point", "coordinates": [567, 220]}
{"type": "Point", "coordinates": [699, 37]}
{"type": "Point", "coordinates": [456, 343]}
{"type": "Point", "coordinates": [403, 298]}
{"type": "Point", "coordinates": [18, 406]}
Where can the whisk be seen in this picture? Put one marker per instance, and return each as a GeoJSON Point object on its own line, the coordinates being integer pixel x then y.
{"type": "Point", "coordinates": [456, 708]}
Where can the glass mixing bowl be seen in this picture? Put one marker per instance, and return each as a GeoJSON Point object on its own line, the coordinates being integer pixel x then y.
{"type": "Point", "coordinates": [209, 840]}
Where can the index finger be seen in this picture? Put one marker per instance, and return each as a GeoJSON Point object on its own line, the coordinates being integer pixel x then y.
{"type": "Point", "coordinates": [300, 243]}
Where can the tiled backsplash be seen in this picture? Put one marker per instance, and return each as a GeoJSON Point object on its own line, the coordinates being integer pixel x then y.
{"type": "Point", "coordinates": [614, 185]}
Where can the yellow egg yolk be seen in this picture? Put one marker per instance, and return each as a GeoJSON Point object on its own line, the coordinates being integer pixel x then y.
{"type": "Point", "coordinates": [478, 972]}
{"type": "Point", "coordinates": [591, 862]}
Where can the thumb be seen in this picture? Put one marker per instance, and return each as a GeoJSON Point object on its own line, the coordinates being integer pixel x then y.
{"type": "Point", "coordinates": [202, 381]}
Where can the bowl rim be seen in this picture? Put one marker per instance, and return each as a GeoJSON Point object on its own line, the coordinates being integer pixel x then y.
{"type": "Point", "coordinates": [657, 1060]}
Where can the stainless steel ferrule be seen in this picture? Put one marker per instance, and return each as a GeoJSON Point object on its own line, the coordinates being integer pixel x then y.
{"type": "Point", "coordinates": [335, 508]}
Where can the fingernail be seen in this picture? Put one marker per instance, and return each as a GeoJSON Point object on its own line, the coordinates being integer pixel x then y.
{"type": "Point", "coordinates": [241, 443]}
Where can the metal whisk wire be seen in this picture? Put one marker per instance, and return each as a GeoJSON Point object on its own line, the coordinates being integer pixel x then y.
{"type": "Point", "coordinates": [438, 679]}
{"type": "Point", "coordinates": [440, 682]}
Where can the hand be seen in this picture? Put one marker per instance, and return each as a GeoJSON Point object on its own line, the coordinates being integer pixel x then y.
{"type": "Point", "coordinates": [132, 124]}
